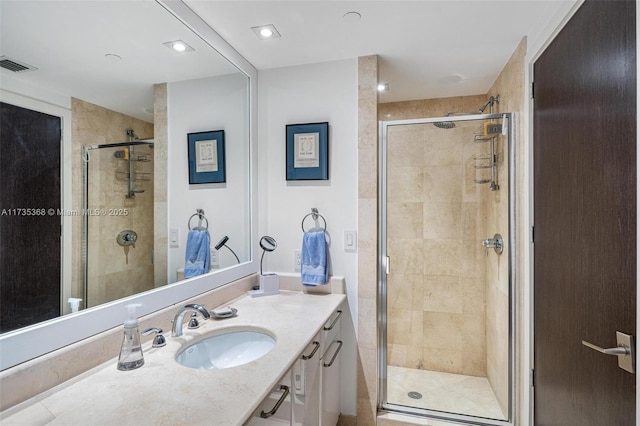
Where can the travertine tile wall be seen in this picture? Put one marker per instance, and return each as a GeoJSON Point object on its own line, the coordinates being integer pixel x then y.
{"type": "Point", "coordinates": [115, 271]}
{"type": "Point", "coordinates": [367, 239]}
{"type": "Point", "coordinates": [436, 288]}
{"type": "Point", "coordinates": [94, 125]}
{"type": "Point", "coordinates": [510, 86]}
{"type": "Point", "coordinates": [160, 188]}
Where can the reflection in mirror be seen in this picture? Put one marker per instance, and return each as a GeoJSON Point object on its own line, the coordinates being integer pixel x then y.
{"type": "Point", "coordinates": [127, 105]}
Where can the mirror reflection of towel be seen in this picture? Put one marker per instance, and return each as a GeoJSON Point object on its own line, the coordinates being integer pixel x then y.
{"type": "Point", "coordinates": [313, 259]}
{"type": "Point", "coordinates": [197, 253]}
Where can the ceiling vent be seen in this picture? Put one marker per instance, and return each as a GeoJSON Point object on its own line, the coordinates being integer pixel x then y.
{"type": "Point", "coordinates": [15, 66]}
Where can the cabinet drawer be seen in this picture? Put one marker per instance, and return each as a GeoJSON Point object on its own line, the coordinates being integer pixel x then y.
{"type": "Point", "coordinates": [276, 408]}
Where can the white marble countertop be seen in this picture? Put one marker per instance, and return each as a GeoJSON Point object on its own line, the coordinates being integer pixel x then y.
{"type": "Point", "coordinates": [162, 392]}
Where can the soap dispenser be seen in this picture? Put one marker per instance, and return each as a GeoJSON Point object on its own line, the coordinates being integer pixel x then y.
{"type": "Point", "coordinates": [131, 352]}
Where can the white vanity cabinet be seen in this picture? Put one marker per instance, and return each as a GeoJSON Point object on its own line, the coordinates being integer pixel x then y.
{"type": "Point", "coordinates": [330, 371]}
{"type": "Point", "coordinates": [276, 409]}
{"type": "Point", "coordinates": [309, 393]}
{"type": "Point", "coordinates": [307, 385]}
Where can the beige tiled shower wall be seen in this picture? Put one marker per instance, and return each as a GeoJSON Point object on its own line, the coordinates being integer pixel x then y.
{"type": "Point", "coordinates": [160, 204]}
{"type": "Point", "coordinates": [119, 273]}
{"type": "Point", "coordinates": [436, 288]}
{"type": "Point", "coordinates": [509, 85]}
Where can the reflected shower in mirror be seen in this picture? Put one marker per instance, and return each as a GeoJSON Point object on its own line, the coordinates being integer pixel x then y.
{"type": "Point", "coordinates": [129, 104]}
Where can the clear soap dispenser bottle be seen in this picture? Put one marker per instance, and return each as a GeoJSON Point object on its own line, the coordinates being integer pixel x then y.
{"type": "Point", "coordinates": [131, 352]}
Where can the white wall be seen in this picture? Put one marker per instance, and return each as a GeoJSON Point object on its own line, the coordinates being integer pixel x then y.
{"type": "Point", "coordinates": [310, 94]}
{"type": "Point", "coordinates": [216, 103]}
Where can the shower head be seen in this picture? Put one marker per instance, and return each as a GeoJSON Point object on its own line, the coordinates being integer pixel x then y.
{"type": "Point", "coordinates": [492, 100]}
{"type": "Point", "coordinates": [450, 124]}
{"type": "Point", "coordinates": [445, 124]}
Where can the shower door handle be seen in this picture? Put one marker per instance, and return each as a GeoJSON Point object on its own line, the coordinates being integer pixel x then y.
{"type": "Point", "coordinates": [624, 351]}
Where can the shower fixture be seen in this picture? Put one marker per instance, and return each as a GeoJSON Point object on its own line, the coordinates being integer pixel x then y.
{"type": "Point", "coordinates": [132, 135]}
{"type": "Point", "coordinates": [450, 124]}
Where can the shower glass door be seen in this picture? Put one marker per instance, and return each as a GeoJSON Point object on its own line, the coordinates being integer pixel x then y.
{"type": "Point", "coordinates": [446, 299]}
{"type": "Point", "coordinates": [118, 221]}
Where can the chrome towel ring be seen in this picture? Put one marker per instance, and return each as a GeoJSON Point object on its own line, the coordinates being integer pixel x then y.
{"type": "Point", "coordinates": [201, 217]}
{"type": "Point", "coordinates": [315, 215]}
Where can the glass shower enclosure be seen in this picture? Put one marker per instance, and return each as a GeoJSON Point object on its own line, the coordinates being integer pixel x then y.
{"type": "Point", "coordinates": [117, 229]}
{"type": "Point", "coordinates": [446, 299]}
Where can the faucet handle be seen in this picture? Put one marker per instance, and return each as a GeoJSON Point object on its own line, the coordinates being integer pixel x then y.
{"type": "Point", "coordinates": [158, 341]}
{"type": "Point", "coordinates": [193, 322]}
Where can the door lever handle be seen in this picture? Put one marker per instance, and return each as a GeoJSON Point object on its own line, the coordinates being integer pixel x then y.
{"type": "Point", "coordinates": [618, 350]}
{"type": "Point", "coordinates": [625, 351]}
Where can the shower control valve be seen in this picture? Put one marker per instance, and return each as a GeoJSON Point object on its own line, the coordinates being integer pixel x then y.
{"type": "Point", "coordinates": [495, 243]}
{"type": "Point", "coordinates": [127, 238]}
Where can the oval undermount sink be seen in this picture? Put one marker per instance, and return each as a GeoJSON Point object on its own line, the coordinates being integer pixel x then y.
{"type": "Point", "coordinates": [226, 349]}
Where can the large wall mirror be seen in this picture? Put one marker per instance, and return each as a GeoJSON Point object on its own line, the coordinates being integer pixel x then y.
{"type": "Point", "coordinates": [100, 102]}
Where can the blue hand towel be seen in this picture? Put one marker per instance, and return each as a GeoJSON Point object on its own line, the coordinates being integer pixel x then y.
{"type": "Point", "coordinates": [197, 253]}
{"type": "Point", "coordinates": [313, 260]}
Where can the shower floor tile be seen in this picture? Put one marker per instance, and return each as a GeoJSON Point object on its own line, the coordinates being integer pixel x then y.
{"type": "Point", "coordinates": [446, 392]}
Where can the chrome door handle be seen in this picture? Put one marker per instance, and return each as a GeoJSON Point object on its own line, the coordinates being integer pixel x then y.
{"type": "Point", "coordinates": [625, 351]}
{"type": "Point", "coordinates": [618, 350]}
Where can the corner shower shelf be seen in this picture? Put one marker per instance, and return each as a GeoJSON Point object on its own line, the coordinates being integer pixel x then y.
{"type": "Point", "coordinates": [486, 161]}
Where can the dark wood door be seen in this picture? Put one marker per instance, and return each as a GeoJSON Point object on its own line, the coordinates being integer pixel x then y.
{"type": "Point", "coordinates": [585, 217]}
{"type": "Point", "coordinates": [29, 220]}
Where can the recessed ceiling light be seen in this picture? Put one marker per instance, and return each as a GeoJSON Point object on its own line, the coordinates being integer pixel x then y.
{"type": "Point", "coordinates": [351, 16]}
{"type": "Point", "coordinates": [179, 46]}
{"type": "Point", "coordinates": [264, 32]}
{"type": "Point", "coordinates": [383, 87]}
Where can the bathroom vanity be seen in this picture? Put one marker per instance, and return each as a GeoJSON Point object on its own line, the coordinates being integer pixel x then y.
{"type": "Point", "coordinates": [164, 392]}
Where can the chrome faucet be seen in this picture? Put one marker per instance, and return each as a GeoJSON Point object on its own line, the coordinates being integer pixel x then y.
{"type": "Point", "coordinates": [176, 329]}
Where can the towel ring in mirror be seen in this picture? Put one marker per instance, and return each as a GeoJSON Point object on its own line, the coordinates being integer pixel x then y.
{"type": "Point", "coordinates": [201, 217]}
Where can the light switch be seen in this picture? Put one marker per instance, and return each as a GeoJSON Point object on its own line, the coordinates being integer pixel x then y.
{"type": "Point", "coordinates": [174, 238]}
{"type": "Point", "coordinates": [350, 242]}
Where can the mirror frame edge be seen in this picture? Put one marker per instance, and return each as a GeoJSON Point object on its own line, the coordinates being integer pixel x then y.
{"type": "Point", "coordinates": [32, 342]}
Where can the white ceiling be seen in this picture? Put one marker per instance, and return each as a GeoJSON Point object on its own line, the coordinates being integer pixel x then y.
{"type": "Point", "coordinates": [68, 40]}
{"type": "Point", "coordinates": [427, 48]}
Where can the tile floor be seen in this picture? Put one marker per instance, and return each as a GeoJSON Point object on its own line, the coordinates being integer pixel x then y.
{"type": "Point", "coordinates": [446, 392]}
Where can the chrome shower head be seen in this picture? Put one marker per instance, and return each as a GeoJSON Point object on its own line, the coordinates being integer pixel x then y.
{"type": "Point", "coordinates": [445, 124]}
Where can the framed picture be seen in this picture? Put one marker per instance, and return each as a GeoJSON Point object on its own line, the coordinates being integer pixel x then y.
{"type": "Point", "coordinates": [308, 151]}
{"type": "Point", "coordinates": [206, 157]}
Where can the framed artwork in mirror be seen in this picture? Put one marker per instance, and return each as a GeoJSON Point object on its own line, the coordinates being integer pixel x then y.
{"type": "Point", "coordinates": [206, 157]}
{"type": "Point", "coordinates": [307, 151]}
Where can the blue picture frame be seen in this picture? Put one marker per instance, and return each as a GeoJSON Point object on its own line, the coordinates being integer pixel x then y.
{"type": "Point", "coordinates": [307, 151]}
{"type": "Point", "coordinates": [206, 152]}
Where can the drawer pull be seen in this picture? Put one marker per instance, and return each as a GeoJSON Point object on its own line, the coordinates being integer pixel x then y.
{"type": "Point", "coordinates": [313, 352]}
{"type": "Point", "coordinates": [335, 354]}
{"type": "Point", "coordinates": [334, 321]}
{"type": "Point", "coordinates": [278, 404]}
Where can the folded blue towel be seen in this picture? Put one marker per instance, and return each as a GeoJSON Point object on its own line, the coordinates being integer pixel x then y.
{"type": "Point", "coordinates": [313, 259]}
{"type": "Point", "coordinates": [197, 253]}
